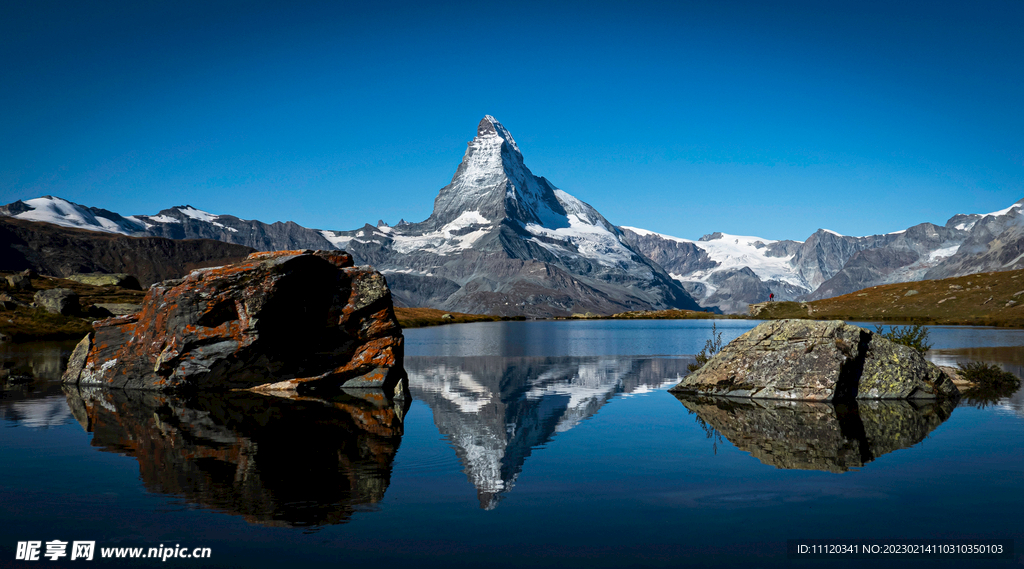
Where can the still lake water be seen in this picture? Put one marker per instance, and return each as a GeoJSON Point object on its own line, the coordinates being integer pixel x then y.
{"type": "Point", "coordinates": [526, 444]}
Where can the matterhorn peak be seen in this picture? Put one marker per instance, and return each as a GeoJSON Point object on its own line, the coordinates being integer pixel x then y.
{"type": "Point", "coordinates": [489, 126]}
{"type": "Point", "coordinates": [493, 182]}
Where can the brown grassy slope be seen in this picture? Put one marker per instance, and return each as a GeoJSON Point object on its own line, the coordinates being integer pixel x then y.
{"type": "Point", "coordinates": [419, 317]}
{"type": "Point", "coordinates": [983, 299]}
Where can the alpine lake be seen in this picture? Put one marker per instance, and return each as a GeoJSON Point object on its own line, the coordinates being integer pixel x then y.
{"type": "Point", "coordinates": [525, 444]}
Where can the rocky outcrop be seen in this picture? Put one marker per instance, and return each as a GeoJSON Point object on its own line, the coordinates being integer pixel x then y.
{"type": "Point", "coordinates": [290, 320]}
{"type": "Point", "coordinates": [57, 301]}
{"type": "Point", "coordinates": [808, 435]}
{"type": "Point", "coordinates": [821, 361]}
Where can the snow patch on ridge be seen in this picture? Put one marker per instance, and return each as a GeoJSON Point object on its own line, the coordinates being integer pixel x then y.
{"type": "Point", "coordinates": [735, 252]}
{"type": "Point", "coordinates": [1003, 212]}
{"type": "Point", "coordinates": [64, 213]}
{"type": "Point", "coordinates": [448, 238]}
{"type": "Point", "coordinates": [199, 214]}
{"type": "Point", "coordinates": [943, 253]}
{"type": "Point", "coordinates": [587, 233]}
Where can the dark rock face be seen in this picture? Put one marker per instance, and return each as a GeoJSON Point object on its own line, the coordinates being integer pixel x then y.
{"type": "Point", "coordinates": [808, 435]}
{"type": "Point", "coordinates": [896, 257]}
{"type": "Point", "coordinates": [186, 222]}
{"type": "Point", "coordinates": [273, 461]}
{"type": "Point", "coordinates": [995, 243]}
{"type": "Point", "coordinates": [676, 257]}
{"type": "Point", "coordinates": [820, 361]}
{"type": "Point", "coordinates": [58, 301]}
{"type": "Point", "coordinates": [63, 251]}
{"type": "Point", "coordinates": [864, 267]}
{"type": "Point", "coordinates": [290, 320]}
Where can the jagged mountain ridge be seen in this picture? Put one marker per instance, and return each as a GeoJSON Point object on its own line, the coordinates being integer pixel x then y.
{"type": "Point", "coordinates": [729, 272]}
{"type": "Point", "coordinates": [502, 240]}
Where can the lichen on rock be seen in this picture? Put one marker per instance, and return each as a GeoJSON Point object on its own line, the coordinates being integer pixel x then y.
{"type": "Point", "coordinates": [818, 361]}
{"type": "Point", "coordinates": [285, 320]}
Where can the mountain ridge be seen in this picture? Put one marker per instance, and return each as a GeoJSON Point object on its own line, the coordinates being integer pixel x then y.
{"type": "Point", "coordinates": [501, 240]}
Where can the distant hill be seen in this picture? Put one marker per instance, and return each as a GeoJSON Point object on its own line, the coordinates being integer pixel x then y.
{"type": "Point", "coordinates": [982, 299]}
{"type": "Point", "coordinates": [62, 251]}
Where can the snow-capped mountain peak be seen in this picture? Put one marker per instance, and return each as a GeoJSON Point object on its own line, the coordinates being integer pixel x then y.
{"type": "Point", "coordinates": [494, 181]}
{"type": "Point", "coordinates": [58, 211]}
{"type": "Point", "coordinates": [194, 213]}
{"type": "Point", "coordinates": [490, 126]}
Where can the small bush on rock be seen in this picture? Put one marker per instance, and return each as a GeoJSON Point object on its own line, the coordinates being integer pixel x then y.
{"type": "Point", "coordinates": [988, 375]}
{"type": "Point", "coordinates": [914, 336]}
{"type": "Point", "coordinates": [991, 383]}
{"type": "Point", "coordinates": [711, 347]}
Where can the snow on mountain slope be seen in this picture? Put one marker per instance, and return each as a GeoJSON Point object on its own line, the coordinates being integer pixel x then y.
{"type": "Point", "coordinates": [732, 252]}
{"type": "Point", "coordinates": [62, 212]}
{"type": "Point", "coordinates": [584, 230]}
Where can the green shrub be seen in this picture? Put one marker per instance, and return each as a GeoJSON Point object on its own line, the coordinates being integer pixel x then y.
{"type": "Point", "coordinates": [987, 375]}
{"type": "Point", "coordinates": [711, 347]}
{"type": "Point", "coordinates": [991, 383]}
{"type": "Point", "coordinates": [914, 336]}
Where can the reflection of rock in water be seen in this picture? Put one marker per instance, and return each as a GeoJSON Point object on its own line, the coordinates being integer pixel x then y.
{"type": "Point", "coordinates": [275, 461]}
{"type": "Point", "coordinates": [817, 435]}
{"type": "Point", "coordinates": [1009, 358]}
{"type": "Point", "coordinates": [496, 410]}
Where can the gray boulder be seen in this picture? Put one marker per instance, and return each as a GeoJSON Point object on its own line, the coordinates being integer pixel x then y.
{"type": "Point", "coordinates": [123, 280]}
{"type": "Point", "coordinates": [58, 301]}
{"type": "Point", "coordinates": [819, 361]}
{"type": "Point", "coordinates": [19, 282]}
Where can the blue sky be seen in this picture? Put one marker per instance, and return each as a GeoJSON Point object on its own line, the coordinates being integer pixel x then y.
{"type": "Point", "coordinates": [756, 118]}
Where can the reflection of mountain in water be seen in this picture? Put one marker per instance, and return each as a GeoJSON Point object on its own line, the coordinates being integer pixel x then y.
{"type": "Point", "coordinates": [496, 410]}
{"type": "Point", "coordinates": [815, 435]}
{"type": "Point", "coordinates": [275, 461]}
{"type": "Point", "coordinates": [30, 390]}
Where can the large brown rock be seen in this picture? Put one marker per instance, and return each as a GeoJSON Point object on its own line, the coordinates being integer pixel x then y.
{"type": "Point", "coordinates": [288, 320]}
{"type": "Point", "coordinates": [819, 361]}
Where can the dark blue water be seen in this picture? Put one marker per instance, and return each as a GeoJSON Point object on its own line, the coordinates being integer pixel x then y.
{"type": "Point", "coordinates": [526, 444]}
